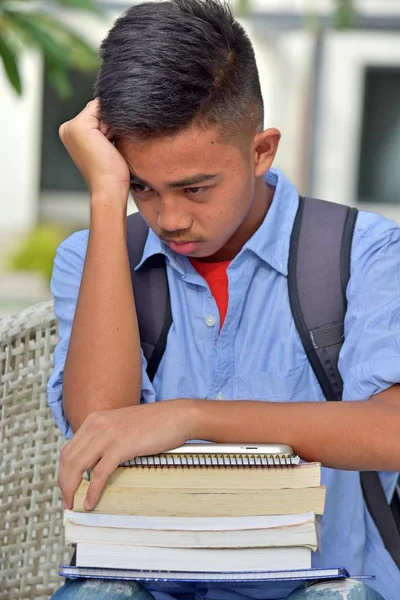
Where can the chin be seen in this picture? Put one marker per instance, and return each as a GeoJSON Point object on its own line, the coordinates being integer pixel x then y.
{"type": "Point", "coordinates": [201, 254]}
{"type": "Point", "coordinates": [212, 255]}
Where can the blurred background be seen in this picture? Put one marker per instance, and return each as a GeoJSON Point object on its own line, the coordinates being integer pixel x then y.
{"type": "Point", "coordinates": [330, 74]}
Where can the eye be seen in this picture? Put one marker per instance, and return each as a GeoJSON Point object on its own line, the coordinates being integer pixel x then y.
{"type": "Point", "coordinates": [139, 188]}
{"type": "Point", "coordinates": [195, 191]}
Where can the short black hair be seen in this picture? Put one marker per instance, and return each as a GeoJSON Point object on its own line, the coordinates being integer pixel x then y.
{"type": "Point", "coordinates": [168, 65]}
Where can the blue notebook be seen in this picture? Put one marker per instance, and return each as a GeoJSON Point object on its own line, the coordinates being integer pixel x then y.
{"type": "Point", "coordinates": [222, 579]}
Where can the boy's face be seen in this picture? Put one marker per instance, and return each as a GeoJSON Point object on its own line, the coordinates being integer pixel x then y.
{"type": "Point", "coordinates": [201, 195]}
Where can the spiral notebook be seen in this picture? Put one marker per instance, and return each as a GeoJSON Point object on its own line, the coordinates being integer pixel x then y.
{"type": "Point", "coordinates": [220, 455]}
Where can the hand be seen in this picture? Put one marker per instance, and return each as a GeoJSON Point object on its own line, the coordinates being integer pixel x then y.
{"type": "Point", "coordinates": [108, 438]}
{"type": "Point", "coordinates": [87, 140]}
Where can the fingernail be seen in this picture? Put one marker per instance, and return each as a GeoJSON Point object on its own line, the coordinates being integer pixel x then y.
{"type": "Point", "coordinates": [86, 505]}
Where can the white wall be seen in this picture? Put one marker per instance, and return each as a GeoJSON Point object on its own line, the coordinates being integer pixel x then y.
{"type": "Point", "coordinates": [289, 85]}
{"type": "Point", "coordinates": [284, 62]}
{"type": "Point", "coordinates": [20, 130]}
{"type": "Point", "coordinates": [381, 7]}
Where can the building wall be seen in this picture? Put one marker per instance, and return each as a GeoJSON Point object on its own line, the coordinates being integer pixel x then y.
{"type": "Point", "coordinates": [20, 129]}
{"type": "Point", "coordinates": [338, 142]}
{"type": "Point", "coordinates": [375, 7]}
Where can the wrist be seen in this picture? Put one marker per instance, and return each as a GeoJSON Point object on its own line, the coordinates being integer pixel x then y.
{"type": "Point", "coordinates": [107, 210]}
{"type": "Point", "coordinates": [195, 419]}
{"type": "Point", "coordinates": [116, 201]}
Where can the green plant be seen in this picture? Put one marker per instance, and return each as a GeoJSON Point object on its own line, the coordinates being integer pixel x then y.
{"type": "Point", "coordinates": [243, 8]}
{"type": "Point", "coordinates": [37, 250]}
{"type": "Point", "coordinates": [344, 14]}
{"type": "Point", "coordinates": [28, 24]}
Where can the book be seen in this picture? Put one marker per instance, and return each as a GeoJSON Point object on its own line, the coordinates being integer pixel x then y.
{"type": "Point", "coordinates": [202, 508]}
{"type": "Point", "coordinates": [218, 478]}
{"type": "Point", "coordinates": [181, 532]}
{"type": "Point", "coordinates": [191, 559]}
{"type": "Point", "coordinates": [203, 502]}
{"type": "Point", "coordinates": [217, 579]}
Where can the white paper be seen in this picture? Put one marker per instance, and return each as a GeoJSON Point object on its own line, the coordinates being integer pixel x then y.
{"type": "Point", "coordinates": [187, 523]}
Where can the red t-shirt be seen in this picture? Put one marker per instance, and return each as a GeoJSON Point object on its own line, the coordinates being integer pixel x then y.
{"type": "Point", "coordinates": [216, 277]}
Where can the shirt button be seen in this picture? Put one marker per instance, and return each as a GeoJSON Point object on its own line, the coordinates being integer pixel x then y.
{"type": "Point", "coordinates": [210, 321]}
{"type": "Point", "coordinates": [220, 396]}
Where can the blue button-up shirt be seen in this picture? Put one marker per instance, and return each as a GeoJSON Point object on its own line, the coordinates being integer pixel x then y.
{"type": "Point", "coordinates": [258, 355]}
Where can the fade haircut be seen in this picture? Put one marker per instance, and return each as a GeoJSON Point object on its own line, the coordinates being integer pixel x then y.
{"type": "Point", "coordinates": [169, 65]}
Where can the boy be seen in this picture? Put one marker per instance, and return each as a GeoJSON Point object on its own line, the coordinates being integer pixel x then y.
{"type": "Point", "coordinates": [178, 121]}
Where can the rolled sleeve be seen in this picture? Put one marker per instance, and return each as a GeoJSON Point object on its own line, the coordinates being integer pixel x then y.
{"type": "Point", "coordinates": [65, 284]}
{"type": "Point", "coordinates": [370, 357]}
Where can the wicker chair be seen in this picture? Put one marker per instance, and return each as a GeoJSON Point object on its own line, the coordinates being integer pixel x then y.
{"type": "Point", "coordinates": [31, 532]}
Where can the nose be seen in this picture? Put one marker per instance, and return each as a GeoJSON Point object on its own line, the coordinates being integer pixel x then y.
{"type": "Point", "coordinates": [172, 216]}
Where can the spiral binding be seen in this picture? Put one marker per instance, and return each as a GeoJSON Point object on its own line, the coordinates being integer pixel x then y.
{"type": "Point", "coordinates": [213, 460]}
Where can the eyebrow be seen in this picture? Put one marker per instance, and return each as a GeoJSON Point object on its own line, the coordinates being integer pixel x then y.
{"type": "Point", "coordinates": [181, 183]}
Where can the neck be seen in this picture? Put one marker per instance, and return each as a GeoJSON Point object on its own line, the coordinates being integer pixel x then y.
{"type": "Point", "coordinates": [263, 196]}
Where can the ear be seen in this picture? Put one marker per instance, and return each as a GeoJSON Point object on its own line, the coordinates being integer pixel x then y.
{"type": "Point", "coordinates": [265, 148]}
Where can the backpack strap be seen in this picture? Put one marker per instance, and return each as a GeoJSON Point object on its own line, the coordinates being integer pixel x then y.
{"type": "Point", "coordinates": [319, 271]}
{"type": "Point", "coordinates": [152, 300]}
{"type": "Point", "coordinates": [385, 516]}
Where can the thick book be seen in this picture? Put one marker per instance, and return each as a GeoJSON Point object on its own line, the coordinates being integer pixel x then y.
{"type": "Point", "coordinates": [205, 502]}
{"type": "Point", "coordinates": [191, 559]}
{"type": "Point", "coordinates": [181, 532]}
{"type": "Point", "coordinates": [245, 477]}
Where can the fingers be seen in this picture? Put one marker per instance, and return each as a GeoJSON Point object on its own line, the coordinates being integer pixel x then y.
{"type": "Point", "coordinates": [95, 440]}
{"type": "Point", "coordinates": [104, 128]}
{"type": "Point", "coordinates": [93, 108]}
{"type": "Point", "coordinates": [99, 476]}
{"type": "Point", "coordinates": [72, 467]}
{"type": "Point", "coordinates": [67, 483]}
{"type": "Point", "coordinates": [90, 114]}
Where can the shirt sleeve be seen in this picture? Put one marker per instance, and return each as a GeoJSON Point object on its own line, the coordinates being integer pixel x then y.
{"type": "Point", "coordinates": [65, 283]}
{"type": "Point", "coordinates": [370, 357]}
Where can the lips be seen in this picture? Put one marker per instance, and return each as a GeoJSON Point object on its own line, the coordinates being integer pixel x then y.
{"type": "Point", "coordinates": [183, 247]}
{"type": "Point", "coordinates": [180, 242]}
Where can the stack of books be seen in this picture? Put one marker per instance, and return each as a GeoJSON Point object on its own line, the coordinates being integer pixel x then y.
{"type": "Point", "coordinates": [200, 509]}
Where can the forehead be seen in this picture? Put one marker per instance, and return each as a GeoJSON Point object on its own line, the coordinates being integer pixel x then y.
{"type": "Point", "coordinates": [191, 151]}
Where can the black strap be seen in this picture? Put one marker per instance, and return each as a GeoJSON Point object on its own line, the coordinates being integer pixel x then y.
{"type": "Point", "coordinates": [395, 506]}
{"type": "Point", "coordinates": [152, 300]}
{"type": "Point", "coordinates": [319, 272]}
{"type": "Point", "coordinates": [384, 515]}
{"type": "Point", "coordinates": [318, 275]}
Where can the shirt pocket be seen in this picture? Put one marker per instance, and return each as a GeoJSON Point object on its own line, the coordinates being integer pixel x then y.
{"type": "Point", "coordinates": [277, 385]}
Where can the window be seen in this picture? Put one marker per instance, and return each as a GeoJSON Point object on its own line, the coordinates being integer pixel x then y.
{"type": "Point", "coordinates": [379, 171]}
{"type": "Point", "coordinates": [58, 172]}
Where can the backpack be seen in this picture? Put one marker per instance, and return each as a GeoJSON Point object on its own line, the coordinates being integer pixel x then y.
{"type": "Point", "coordinates": [319, 271]}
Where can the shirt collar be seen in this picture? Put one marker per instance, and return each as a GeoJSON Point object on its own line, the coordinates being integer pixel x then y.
{"type": "Point", "coordinates": [270, 242]}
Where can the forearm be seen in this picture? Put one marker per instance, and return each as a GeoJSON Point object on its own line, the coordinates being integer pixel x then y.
{"type": "Point", "coordinates": [342, 435]}
{"type": "Point", "coordinates": [103, 367]}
